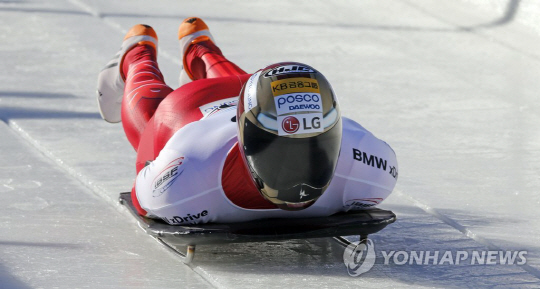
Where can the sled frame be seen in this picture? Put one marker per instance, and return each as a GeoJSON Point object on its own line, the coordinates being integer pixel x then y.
{"type": "Point", "coordinates": [175, 238]}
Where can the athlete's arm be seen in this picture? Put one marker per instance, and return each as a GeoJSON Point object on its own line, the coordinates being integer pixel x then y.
{"type": "Point", "coordinates": [156, 179]}
{"type": "Point", "coordinates": [373, 167]}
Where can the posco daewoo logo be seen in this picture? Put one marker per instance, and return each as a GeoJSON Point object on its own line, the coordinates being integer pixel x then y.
{"type": "Point", "coordinates": [307, 102]}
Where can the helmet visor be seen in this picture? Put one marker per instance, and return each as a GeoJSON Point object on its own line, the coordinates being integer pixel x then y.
{"type": "Point", "coordinates": [283, 162]}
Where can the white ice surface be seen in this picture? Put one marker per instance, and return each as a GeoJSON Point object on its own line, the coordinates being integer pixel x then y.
{"type": "Point", "coordinates": [453, 88]}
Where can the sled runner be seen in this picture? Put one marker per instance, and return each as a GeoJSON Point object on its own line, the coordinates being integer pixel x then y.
{"type": "Point", "coordinates": [361, 223]}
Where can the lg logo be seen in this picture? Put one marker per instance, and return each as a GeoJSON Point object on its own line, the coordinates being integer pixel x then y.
{"type": "Point", "coordinates": [300, 123]}
{"type": "Point", "coordinates": [290, 124]}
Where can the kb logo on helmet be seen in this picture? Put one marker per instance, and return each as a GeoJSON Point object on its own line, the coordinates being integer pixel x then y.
{"type": "Point", "coordinates": [300, 123]}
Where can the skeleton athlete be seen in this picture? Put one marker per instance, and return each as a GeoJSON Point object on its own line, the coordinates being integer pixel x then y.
{"type": "Point", "coordinates": [228, 146]}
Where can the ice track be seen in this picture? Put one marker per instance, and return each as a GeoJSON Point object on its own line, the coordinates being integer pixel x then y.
{"type": "Point", "coordinates": [451, 85]}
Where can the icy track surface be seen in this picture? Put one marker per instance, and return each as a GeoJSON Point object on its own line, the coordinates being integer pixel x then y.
{"type": "Point", "coordinates": [452, 87]}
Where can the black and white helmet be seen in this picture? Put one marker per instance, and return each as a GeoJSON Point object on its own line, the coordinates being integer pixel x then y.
{"type": "Point", "coordinates": [289, 133]}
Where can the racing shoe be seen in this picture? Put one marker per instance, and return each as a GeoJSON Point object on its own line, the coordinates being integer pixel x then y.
{"type": "Point", "coordinates": [192, 30]}
{"type": "Point", "coordinates": [110, 87]}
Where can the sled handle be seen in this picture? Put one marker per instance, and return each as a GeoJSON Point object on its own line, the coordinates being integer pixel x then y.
{"type": "Point", "coordinates": [344, 242]}
{"type": "Point", "coordinates": [186, 257]}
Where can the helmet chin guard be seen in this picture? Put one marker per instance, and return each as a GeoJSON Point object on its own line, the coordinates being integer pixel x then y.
{"type": "Point", "coordinates": [289, 133]}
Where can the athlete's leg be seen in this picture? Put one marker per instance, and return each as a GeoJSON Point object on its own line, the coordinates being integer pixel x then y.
{"type": "Point", "coordinates": [200, 56]}
{"type": "Point", "coordinates": [205, 60]}
{"type": "Point", "coordinates": [144, 91]}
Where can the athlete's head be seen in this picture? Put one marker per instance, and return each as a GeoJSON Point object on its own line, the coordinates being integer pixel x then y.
{"type": "Point", "coordinates": [289, 133]}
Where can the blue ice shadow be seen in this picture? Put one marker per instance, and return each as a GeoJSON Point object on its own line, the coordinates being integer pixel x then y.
{"type": "Point", "coordinates": [9, 281]}
{"type": "Point", "coordinates": [9, 112]}
{"type": "Point", "coordinates": [32, 94]}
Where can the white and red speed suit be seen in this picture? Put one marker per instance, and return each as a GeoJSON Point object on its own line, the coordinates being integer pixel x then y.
{"type": "Point", "coordinates": [187, 138]}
